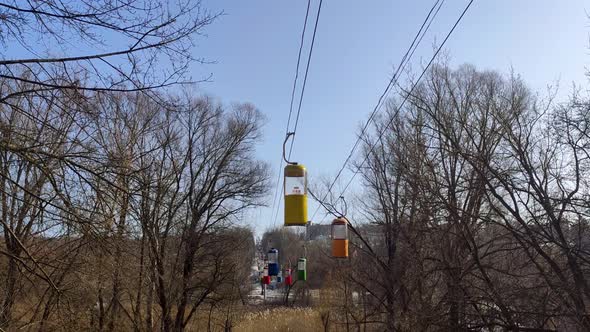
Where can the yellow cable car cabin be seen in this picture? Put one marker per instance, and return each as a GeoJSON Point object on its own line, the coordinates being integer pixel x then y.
{"type": "Point", "coordinates": [295, 185]}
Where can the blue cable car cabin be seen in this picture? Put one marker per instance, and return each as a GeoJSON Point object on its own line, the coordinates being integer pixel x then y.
{"type": "Point", "coordinates": [273, 262]}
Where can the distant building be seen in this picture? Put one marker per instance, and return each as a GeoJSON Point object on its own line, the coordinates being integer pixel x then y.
{"type": "Point", "coordinates": [318, 232]}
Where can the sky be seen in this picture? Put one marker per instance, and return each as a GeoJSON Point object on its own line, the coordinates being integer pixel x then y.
{"type": "Point", "coordinates": [254, 45]}
{"type": "Point", "coordinates": [358, 43]}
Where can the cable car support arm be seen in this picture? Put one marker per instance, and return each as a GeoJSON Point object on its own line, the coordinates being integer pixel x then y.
{"type": "Point", "coordinates": [289, 134]}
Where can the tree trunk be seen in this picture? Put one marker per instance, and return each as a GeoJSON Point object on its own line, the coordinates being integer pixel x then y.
{"type": "Point", "coordinates": [9, 293]}
{"type": "Point", "coordinates": [455, 301]}
{"type": "Point", "coordinates": [138, 298]}
{"type": "Point", "coordinates": [183, 301]}
{"type": "Point", "coordinates": [149, 319]}
{"type": "Point", "coordinates": [115, 312]}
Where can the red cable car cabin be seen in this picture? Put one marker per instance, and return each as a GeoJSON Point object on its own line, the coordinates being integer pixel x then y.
{"type": "Point", "coordinates": [288, 277]}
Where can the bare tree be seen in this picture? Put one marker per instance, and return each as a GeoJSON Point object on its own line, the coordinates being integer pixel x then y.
{"type": "Point", "coordinates": [474, 195]}
{"type": "Point", "coordinates": [192, 185]}
{"type": "Point", "coordinates": [142, 34]}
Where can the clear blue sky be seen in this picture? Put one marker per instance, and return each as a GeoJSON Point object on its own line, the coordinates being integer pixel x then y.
{"type": "Point", "coordinates": [358, 42]}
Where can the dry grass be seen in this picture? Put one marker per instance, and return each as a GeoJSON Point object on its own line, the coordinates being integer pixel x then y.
{"type": "Point", "coordinates": [281, 319]}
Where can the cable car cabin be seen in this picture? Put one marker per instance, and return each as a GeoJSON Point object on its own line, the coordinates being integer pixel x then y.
{"type": "Point", "coordinates": [288, 277]}
{"type": "Point", "coordinates": [265, 276]}
{"type": "Point", "coordinates": [295, 186]}
{"type": "Point", "coordinates": [340, 238]}
{"type": "Point", "coordinates": [302, 269]}
{"type": "Point", "coordinates": [273, 262]}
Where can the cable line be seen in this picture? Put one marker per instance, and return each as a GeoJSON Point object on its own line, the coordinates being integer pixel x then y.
{"type": "Point", "coordinates": [291, 105]}
{"type": "Point", "coordinates": [407, 95]}
{"type": "Point", "coordinates": [393, 81]}
{"type": "Point", "coordinates": [315, 28]}
{"type": "Point", "coordinates": [276, 198]}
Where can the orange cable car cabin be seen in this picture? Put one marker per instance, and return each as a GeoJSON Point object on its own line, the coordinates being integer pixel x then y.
{"type": "Point", "coordinates": [340, 238]}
